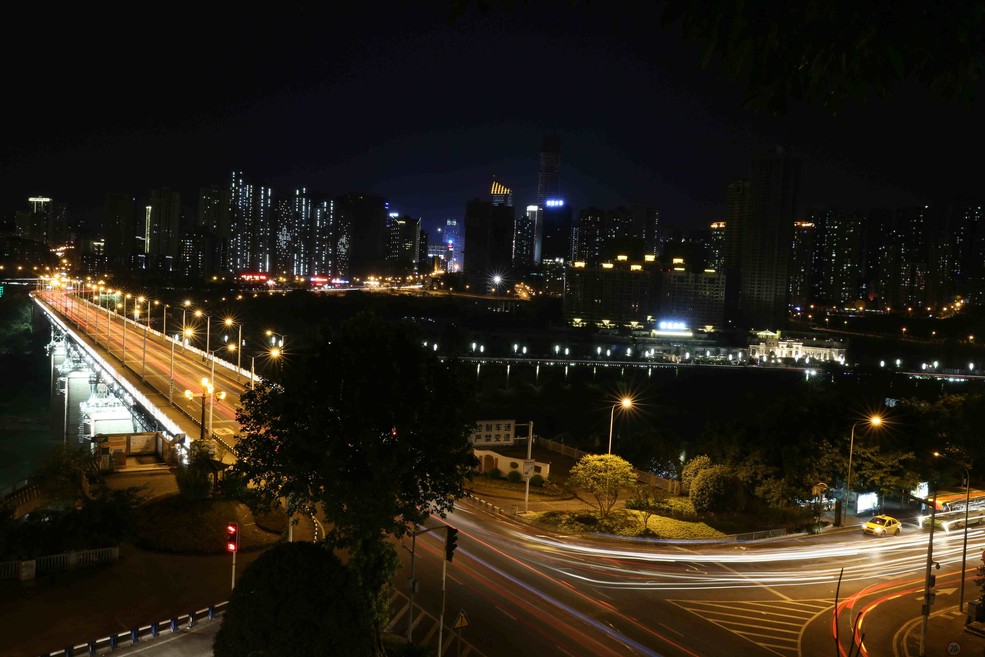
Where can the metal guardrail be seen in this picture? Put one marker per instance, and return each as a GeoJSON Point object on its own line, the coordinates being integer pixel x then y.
{"type": "Point", "coordinates": [52, 563]}
{"type": "Point", "coordinates": [137, 634]}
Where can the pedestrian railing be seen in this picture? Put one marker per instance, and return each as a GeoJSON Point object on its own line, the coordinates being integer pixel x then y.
{"type": "Point", "coordinates": [26, 569]}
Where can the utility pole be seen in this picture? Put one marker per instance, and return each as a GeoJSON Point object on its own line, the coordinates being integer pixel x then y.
{"type": "Point", "coordinates": [528, 465]}
{"type": "Point", "coordinates": [929, 578]}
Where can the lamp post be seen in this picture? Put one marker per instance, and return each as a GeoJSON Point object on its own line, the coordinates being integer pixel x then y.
{"type": "Point", "coordinates": [208, 329]}
{"type": "Point", "coordinates": [874, 421]}
{"type": "Point", "coordinates": [123, 358]}
{"type": "Point", "coordinates": [276, 339]}
{"type": "Point", "coordinates": [967, 504]}
{"type": "Point", "coordinates": [171, 376]}
{"type": "Point", "coordinates": [273, 353]}
{"type": "Point", "coordinates": [184, 307]}
{"type": "Point", "coordinates": [625, 402]}
{"type": "Point", "coordinates": [206, 390]}
{"type": "Point", "coordinates": [143, 357]}
{"type": "Point", "coordinates": [239, 343]}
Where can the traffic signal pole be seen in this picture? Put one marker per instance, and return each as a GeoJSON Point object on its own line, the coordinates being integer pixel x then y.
{"type": "Point", "coordinates": [451, 540]}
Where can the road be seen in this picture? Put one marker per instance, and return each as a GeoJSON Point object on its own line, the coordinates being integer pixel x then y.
{"type": "Point", "coordinates": [530, 591]}
{"type": "Point", "coordinates": [167, 368]}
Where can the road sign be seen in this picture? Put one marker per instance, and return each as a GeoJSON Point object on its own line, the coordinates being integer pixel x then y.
{"type": "Point", "coordinates": [954, 648]}
{"type": "Point", "coordinates": [528, 467]}
{"type": "Point", "coordinates": [461, 621]}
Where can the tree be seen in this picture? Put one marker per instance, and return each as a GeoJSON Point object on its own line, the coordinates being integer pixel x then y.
{"type": "Point", "coordinates": [716, 489]}
{"type": "Point", "coordinates": [603, 475]}
{"type": "Point", "coordinates": [194, 477]}
{"type": "Point", "coordinates": [65, 471]}
{"type": "Point", "coordinates": [827, 53]}
{"type": "Point", "coordinates": [370, 427]}
{"type": "Point", "coordinates": [323, 611]}
{"type": "Point", "coordinates": [693, 468]}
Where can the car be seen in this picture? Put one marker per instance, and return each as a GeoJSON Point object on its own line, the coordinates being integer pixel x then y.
{"type": "Point", "coordinates": [883, 525]}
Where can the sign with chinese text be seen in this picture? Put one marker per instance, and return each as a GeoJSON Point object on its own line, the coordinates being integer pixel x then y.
{"type": "Point", "coordinates": [494, 432]}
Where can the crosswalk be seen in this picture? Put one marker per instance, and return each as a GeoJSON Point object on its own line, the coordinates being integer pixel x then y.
{"type": "Point", "coordinates": [424, 628]}
{"type": "Point", "coordinates": [771, 625]}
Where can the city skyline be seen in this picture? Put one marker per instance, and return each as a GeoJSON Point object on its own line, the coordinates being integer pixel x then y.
{"type": "Point", "coordinates": [407, 102]}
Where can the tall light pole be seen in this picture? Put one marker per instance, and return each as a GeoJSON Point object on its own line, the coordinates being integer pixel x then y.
{"type": "Point", "coordinates": [207, 389]}
{"type": "Point", "coordinates": [136, 314]}
{"type": "Point", "coordinates": [625, 403]}
{"type": "Point", "coordinates": [239, 344]}
{"type": "Point", "coordinates": [874, 421]}
{"type": "Point", "coordinates": [208, 328]}
{"type": "Point", "coordinates": [184, 307]}
{"type": "Point", "coordinates": [171, 376]}
{"type": "Point", "coordinates": [967, 504]}
{"type": "Point", "coordinates": [123, 358]}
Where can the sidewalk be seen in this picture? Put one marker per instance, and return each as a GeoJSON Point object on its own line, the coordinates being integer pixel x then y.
{"type": "Point", "coordinates": [143, 587]}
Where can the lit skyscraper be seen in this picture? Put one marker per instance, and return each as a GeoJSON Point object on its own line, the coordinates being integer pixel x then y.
{"type": "Point", "coordinates": [549, 179]}
{"type": "Point", "coordinates": [760, 225]}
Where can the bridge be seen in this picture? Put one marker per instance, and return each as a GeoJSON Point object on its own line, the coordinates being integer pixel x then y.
{"type": "Point", "coordinates": [112, 365]}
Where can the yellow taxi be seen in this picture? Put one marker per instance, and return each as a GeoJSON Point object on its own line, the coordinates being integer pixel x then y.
{"type": "Point", "coordinates": [882, 525]}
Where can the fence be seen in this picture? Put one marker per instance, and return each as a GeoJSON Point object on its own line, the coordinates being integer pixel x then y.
{"type": "Point", "coordinates": [134, 636]}
{"type": "Point", "coordinates": [53, 563]}
{"type": "Point", "coordinates": [648, 478]}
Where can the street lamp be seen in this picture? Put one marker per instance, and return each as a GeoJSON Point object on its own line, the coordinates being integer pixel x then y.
{"type": "Point", "coordinates": [874, 421]}
{"type": "Point", "coordinates": [184, 307]}
{"type": "Point", "coordinates": [208, 390]}
{"type": "Point", "coordinates": [967, 504]}
{"type": "Point", "coordinates": [276, 339]}
{"type": "Point", "coordinates": [208, 328]}
{"type": "Point", "coordinates": [273, 353]}
{"type": "Point", "coordinates": [239, 343]}
{"type": "Point", "coordinates": [189, 395]}
{"type": "Point", "coordinates": [626, 403]}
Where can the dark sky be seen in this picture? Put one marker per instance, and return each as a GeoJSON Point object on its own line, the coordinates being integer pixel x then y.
{"type": "Point", "coordinates": [400, 99]}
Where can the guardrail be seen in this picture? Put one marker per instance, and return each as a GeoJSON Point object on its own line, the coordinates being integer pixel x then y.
{"type": "Point", "coordinates": [26, 569]}
{"type": "Point", "coordinates": [137, 634]}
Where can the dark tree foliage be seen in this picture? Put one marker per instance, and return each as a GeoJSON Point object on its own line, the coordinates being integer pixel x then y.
{"type": "Point", "coordinates": [822, 53]}
{"type": "Point", "coordinates": [297, 599]}
{"type": "Point", "coordinates": [781, 452]}
{"type": "Point", "coordinates": [828, 52]}
{"type": "Point", "coordinates": [370, 427]}
{"type": "Point", "coordinates": [66, 471]}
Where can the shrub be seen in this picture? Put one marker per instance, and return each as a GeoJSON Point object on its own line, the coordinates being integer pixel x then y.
{"type": "Point", "coordinates": [692, 469]}
{"type": "Point", "coordinates": [537, 481]}
{"type": "Point", "coordinates": [716, 489]}
{"type": "Point", "coordinates": [514, 476]}
{"type": "Point", "coordinates": [494, 473]}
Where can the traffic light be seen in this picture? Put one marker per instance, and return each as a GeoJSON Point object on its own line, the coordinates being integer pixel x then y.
{"type": "Point", "coordinates": [232, 537]}
{"type": "Point", "coordinates": [451, 541]}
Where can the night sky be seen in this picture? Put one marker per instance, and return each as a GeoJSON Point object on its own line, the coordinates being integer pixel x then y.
{"type": "Point", "coordinates": [403, 100]}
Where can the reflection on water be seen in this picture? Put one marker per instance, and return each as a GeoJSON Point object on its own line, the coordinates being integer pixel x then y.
{"type": "Point", "coordinates": [22, 446]}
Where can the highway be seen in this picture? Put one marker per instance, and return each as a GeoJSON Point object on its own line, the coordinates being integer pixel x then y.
{"type": "Point", "coordinates": [167, 368]}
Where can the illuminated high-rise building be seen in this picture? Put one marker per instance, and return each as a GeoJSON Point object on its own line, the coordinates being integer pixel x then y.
{"type": "Point", "coordinates": [501, 194]}
{"type": "Point", "coordinates": [488, 243]}
{"type": "Point", "coordinates": [759, 238]}
{"type": "Point", "coordinates": [803, 262]}
{"type": "Point", "coordinates": [549, 173]}
{"type": "Point", "coordinates": [360, 235]}
{"type": "Point", "coordinates": [162, 229]}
